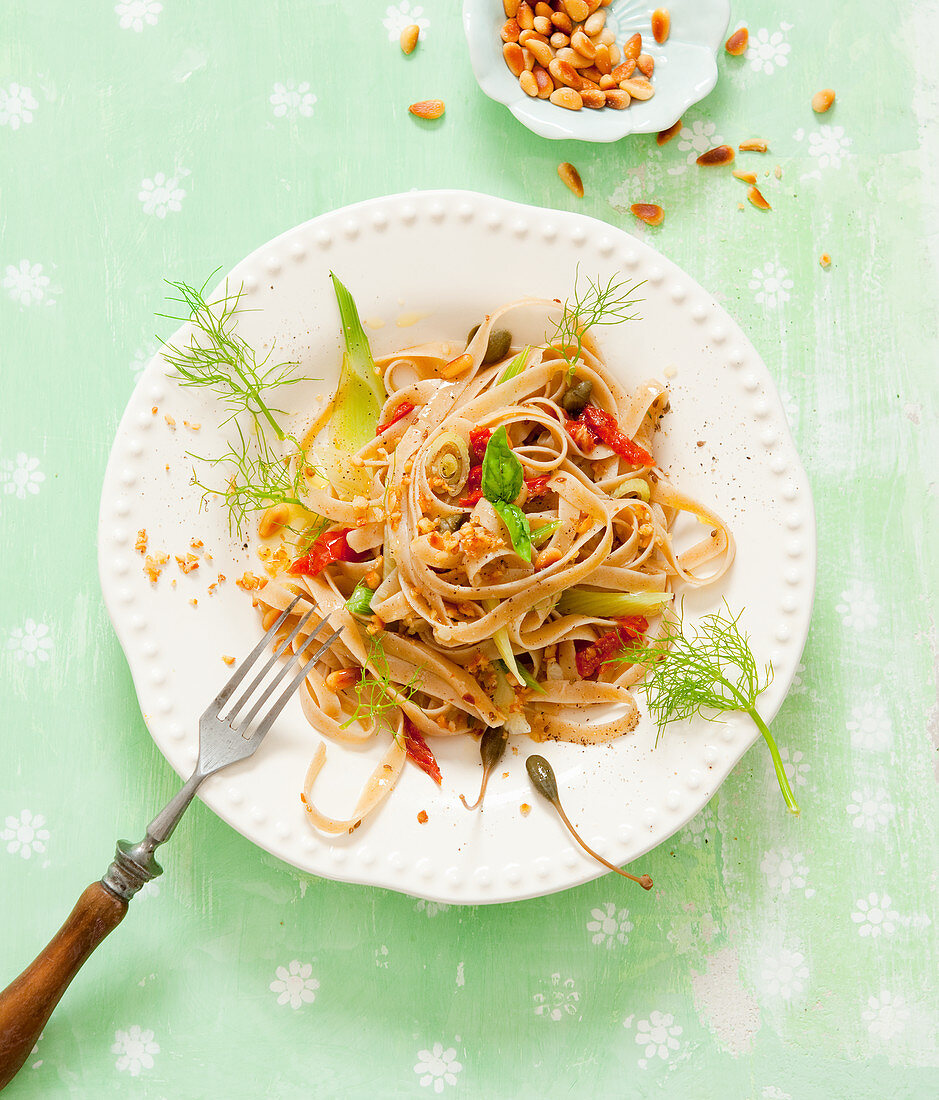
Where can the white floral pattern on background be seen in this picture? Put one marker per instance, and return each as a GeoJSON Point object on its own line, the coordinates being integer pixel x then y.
{"type": "Point", "coordinates": [437, 1067]}
{"type": "Point", "coordinates": [431, 908]}
{"type": "Point", "coordinates": [134, 15]}
{"type": "Point", "coordinates": [401, 15]}
{"type": "Point", "coordinates": [768, 50]}
{"type": "Point", "coordinates": [162, 194]}
{"type": "Point", "coordinates": [138, 364]}
{"type": "Point", "coordinates": [560, 998]}
{"type": "Point", "coordinates": [149, 889]}
{"type": "Point", "coordinates": [771, 285]}
{"type": "Point", "coordinates": [858, 609]}
{"type": "Point", "coordinates": [785, 974]}
{"type": "Point", "coordinates": [795, 765]}
{"type": "Point", "coordinates": [697, 139]}
{"type": "Point", "coordinates": [886, 1015]}
{"type": "Point", "coordinates": [628, 192]}
{"type": "Point", "coordinates": [17, 104]}
{"type": "Point", "coordinates": [609, 925]}
{"type": "Point", "coordinates": [27, 283]}
{"type": "Point", "coordinates": [658, 1036]}
{"type": "Point", "coordinates": [294, 985]}
{"type": "Point", "coordinates": [869, 726]}
{"type": "Point", "coordinates": [829, 145]}
{"type": "Point", "coordinates": [786, 872]}
{"type": "Point", "coordinates": [699, 827]}
{"type": "Point", "coordinates": [135, 1048]}
{"type": "Point", "coordinates": [381, 957]}
{"type": "Point", "coordinates": [870, 809]}
{"type": "Point", "coordinates": [21, 476]}
{"type": "Point", "coordinates": [31, 643]}
{"type": "Point", "coordinates": [874, 917]}
{"type": "Point", "coordinates": [291, 99]}
{"type": "Point", "coordinates": [25, 835]}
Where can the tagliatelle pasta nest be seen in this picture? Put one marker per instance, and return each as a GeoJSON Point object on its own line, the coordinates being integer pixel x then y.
{"type": "Point", "coordinates": [489, 549]}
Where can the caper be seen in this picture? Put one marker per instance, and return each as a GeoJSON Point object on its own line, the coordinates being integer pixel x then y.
{"type": "Point", "coordinates": [500, 340]}
{"type": "Point", "coordinates": [576, 397]}
{"type": "Point", "coordinates": [453, 523]}
{"type": "Point", "coordinates": [472, 332]}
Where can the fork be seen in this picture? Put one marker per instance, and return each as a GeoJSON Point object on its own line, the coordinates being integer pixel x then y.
{"type": "Point", "coordinates": [224, 738]}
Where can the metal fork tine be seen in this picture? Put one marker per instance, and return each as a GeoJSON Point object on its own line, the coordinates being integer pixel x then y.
{"type": "Point", "coordinates": [275, 656]}
{"type": "Point", "coordinates": [245, 667]}
{"type": "Point", "coordinates": [284, 671]}
{"type": "Point", "coordinates": [268, 719]}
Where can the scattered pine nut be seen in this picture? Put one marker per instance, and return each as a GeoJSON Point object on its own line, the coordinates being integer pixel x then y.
{"type": "Point", "coordinates": [756, 197]}
{"type": "Point", "coordinates": [228, 660]}
{"type": "Point", "coordinates": [661, 25]}
{"type": "Point", "coordinates": [570, 177]}
{"type": "Point", "coordinates": [822, 100]}
{"type": "Point", "coordinates": [747, 177]}
{"type": "Point", "coordinates": [648, 212]}
{"type": "Point", "coordinates": [514, 57]}
{"type": "Point", "coordinates": [638, 87]}
{"type": "Point", "coordinates": [510, 31]}
{"type": "Point", "coordinates": [524, 809]}
{"type": "Point", "coordinates": [645, 63]}
{"type": "Point", "coordinates": [777, 172]}
{"type": "Point", "coordinates": [422, 817]}
{"type": "Point", "coordinates": [716, 157]}
{"type": "Point", "coordinates": [738, 42]}
{"type": "Point", "coordinates": [409, 37]}
{"type": "Point", "coordinates": [633, 47]}
{"type": "Point", "coordinates": [754, 145]}
{"type": "Point", "coordinates": [511, 8]}
{"type": "Point", "coordinates": [617, 99]}
{"type": "Point", "coordinates": [824, 260]}
{"type": "Point", "coordinates": [528, 84]}
{"type": "Point", "coordinates": [427, 108]}
{"type": "Point", "coordinates": [457, 366]}
{"type": "Point", "coordinates": [666, 135]}
{"type": "Point", "coordinates": [566, 97]}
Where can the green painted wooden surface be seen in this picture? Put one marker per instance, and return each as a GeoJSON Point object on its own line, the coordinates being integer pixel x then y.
{"type": "Point", "coordinates": [777, 958]}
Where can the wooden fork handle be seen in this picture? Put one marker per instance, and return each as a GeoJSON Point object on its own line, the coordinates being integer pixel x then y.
{"type": "Point", "coordinates": [28, 1001]}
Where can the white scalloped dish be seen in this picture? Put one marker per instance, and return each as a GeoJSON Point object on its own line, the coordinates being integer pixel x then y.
{"type": "Point", "coordinates": [426, 266]}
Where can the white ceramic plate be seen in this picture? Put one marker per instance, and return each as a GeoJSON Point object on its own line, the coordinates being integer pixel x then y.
{"type": "Point", "coordinates": [685, 68]}
{"type": "Point", "coordinates": [437, 261]}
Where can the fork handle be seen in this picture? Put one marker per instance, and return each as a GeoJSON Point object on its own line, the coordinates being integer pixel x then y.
{"type": "Point", "coordinates": [28, 1001]}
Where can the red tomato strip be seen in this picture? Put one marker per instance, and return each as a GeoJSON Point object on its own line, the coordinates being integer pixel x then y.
{"type": "Point", "coordinates": [593, 657]}
{"type": "Point", "coordinates": [605, 428]}
{"type": "Point", "coordinates": [401, 411]}
{"type": "Point", "coordinates": [479, 438]}
{"type": "Point", "coordinates": [329, 547]}
{"type": "Point", "coordinates": [418, 750]}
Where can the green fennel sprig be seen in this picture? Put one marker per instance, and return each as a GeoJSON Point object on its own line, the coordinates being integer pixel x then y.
{"type": "Point", "coordinates": [217, 358]}
{"type": "Point", "coordinates": [709, 671]}
{"type": "Point", "coordinates": [374, 688]}
{"type": "Point", "coordinates": [596, 304]}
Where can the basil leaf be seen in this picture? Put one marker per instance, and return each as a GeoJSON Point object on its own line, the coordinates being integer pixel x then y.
{"type": "Point", "coordinates": [517, 523]}
{"type": "Point", "coordinates": [503, 475]}
{"type": "Point", "coordinates": [360, 602]}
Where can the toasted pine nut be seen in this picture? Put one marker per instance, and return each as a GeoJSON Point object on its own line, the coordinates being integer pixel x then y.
{"type": "Point", "coordinates": [607, 37]}
{"type": "Point", "coordinates": [548, 557]}
{"type": "Point", "coordinates": [341, 678]}
{"type": "Point", "coordinates": [592, 6]}
{"type": "Point", "coordinates": [592, 75]}
{"type": "Point", "coordinates": [607, 82]}
{"type": "Point", "coordinates": [373, 579]}
{"type": "Point", "coordinates": [747, 177]}
{"type": "Point", "coordinates": [529, 59]}
{"type": "Point", "coordinates": [565, 74]}
{"type": "Point", "coordinates": [576, 9]}
{"type": "Point", "coordinates": [562, 21]}
{"type": "Point", "coordinates": [540, 51]}
{"type": "Point", "coordinates": [602, 60]}
{"type": "Point", "coordinates": [510, 31]}
{"type": "Point", "coordinates": [567, 98]}
{"type": "Point", "coordinates": [514, 58]}
{"type": "Point", "coordinates": [624, 71]}
{"type": "Point", "coordinates": [824, 260]}
{"type": "Point", "coordinates": [409, 37]}
{"type": "Point", "coordinates": [572, 57]}
{"type": "Point", "coordinates": [526, 36]}
{"type": "Point", "coordinates": [648, 212]}
{"type": "Point", "coordinates": [593, 97]}
{"type": "Point", "coordinates": [269, 618]}
{"type": "Point", "coordinates": [738, 42]}
{"type": "Point", "coordinates": [525, 17]}
{"type": "Point", "coordinates": [633, 47]}
{"type": "Point", "coordinates": [544, 82]}
{"type": "Point", "coordinates": [543, 10]}
{"type": "Point", "coordinates": [617, 99]}
{"type": "Point", "coordinates": [457, 366]}
{"type": "Point", "coordinates": [272, 520]}
{"type": "Point", "coordinates": [664, 136]}
{"type": "Point", "coordinates": [559, 40]}
{"type": "Point", "coordinates": [582, 44]}
{"type": "Point", "coordinates": [543, 25]}
{"type": "Point", "coordinates": [638, 87]}
{"type": "Point", "coordinates": [615, 55]}
{"type": "Point", "coordinates": [661, 25]}
{"type": "Point", "coordinates": [823, 100]}
{"type": "Point", "coordinates": [645, 63]}
{"type": "Point", "coordinates": [754, 145]}
{"type": "Point", "coordinates": [716, 157]}
{"type": "Point", "coordinates": [571, 178]}
{"type": "Point", "coordinates": [427, 108]}
{"type": "Point", "coordinates": [528, 84]}
{"type": "Point", "coordinates": [595, 23]}
{"type": "Point", "coordinates": [756, 197]}
{"type": "Point", "coordinates": [511, 8]}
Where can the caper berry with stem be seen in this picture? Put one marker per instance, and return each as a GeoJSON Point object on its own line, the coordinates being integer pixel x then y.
{"type": "Point", "coordinates": [576, 397]}
{"type": "Point", "coordinates": [500, 340]}
{"type": "Point", "coordinates": [543, 780]}
{"type": "Point", "coordinates": [491, 748]}
{"type": "Point", "coordinates": [453, 523]}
